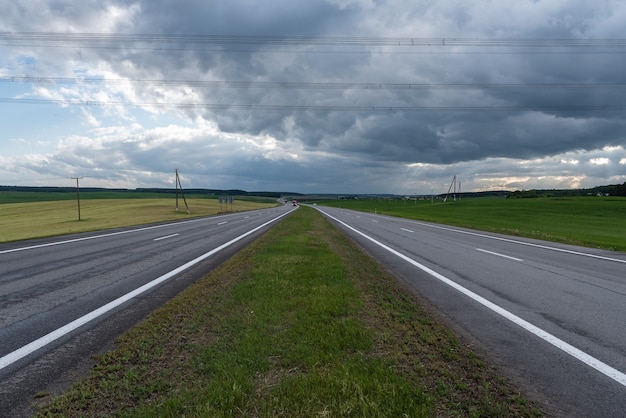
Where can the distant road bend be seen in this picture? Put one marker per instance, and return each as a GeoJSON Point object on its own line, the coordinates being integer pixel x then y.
{"type": "Point", "coordinates": [62, 299]}
{"type": "Point", "coordinates": [552, 316]}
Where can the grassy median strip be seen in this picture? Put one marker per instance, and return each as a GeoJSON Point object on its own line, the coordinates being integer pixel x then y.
{"type": "Point", "coordinates": [300, 323]}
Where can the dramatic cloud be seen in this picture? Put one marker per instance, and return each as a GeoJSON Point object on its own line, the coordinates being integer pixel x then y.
{"type": "Point", "coordinates": [342, 96]}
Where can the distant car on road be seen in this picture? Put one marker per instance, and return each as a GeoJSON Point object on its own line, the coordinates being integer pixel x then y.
{"type": "Point", "coordinates": [294, 203]}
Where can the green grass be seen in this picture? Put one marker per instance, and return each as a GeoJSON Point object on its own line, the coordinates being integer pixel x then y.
{"type": "Point", "coordinates": [299, 324]}
{"type": "Point", "coordinates": [42, 218]}
{"type": "Point", "coordinates": [587, 221]}
{"type": "Point", "coordinates": [43, 196]}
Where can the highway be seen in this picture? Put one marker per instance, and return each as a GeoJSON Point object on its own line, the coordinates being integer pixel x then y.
{"type": "Point", "coordinates": [551, 316]}
{"type": "Point", "coordinates": [64, 299]}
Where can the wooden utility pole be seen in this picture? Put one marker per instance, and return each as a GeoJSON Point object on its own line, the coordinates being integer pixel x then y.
{"type": "Point", "coordinates": [181, 192]}
{"type": "Point", "coordinates": [78, 194]}
{"type": "Point", "coordinates": [450, 188]}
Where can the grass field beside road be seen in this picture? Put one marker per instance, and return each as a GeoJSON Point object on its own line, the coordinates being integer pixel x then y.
{"type": "Point", "coordinates": [42, 218]}
{"type": "Point", "coordinates": [300, 323]}
{"type": "Point", "coordinates": [590, 221]}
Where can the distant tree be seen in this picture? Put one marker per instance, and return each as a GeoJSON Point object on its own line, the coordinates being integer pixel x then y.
{"type": "Point", "coordinates": [619, 190]}
{"type": "Point", "coordinates": [526, 194]}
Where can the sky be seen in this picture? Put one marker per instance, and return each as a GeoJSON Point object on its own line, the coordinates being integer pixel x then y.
{"type": "Point", "coordinates": [315, 96]}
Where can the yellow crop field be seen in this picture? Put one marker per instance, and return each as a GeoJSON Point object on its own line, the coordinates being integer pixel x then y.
{"type": "Point", "coordinates": [27, 220]}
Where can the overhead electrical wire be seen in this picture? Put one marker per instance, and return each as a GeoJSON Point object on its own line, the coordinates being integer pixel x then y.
{"type": "Point", "coordinates": [311, 85]}
{"type": "Point", "coordinates": [258, 44]}
{"type": "Point", "coordinates": [317, 108]}
{"type": "Point", "coordinates": [430, 51]}
{"type": "Point", "coordinates": [97, 38]}
{"type": "Point", "coordinates": [184, 42]}
{"type": "Point", "coordinates": [212, 44]}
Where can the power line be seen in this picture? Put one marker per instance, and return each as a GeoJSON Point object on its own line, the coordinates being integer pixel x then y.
{"type": "Point", "coordinates": [211, 44]}
{"type": "Point", "coordinates": [264, 49]}
{"type": "Point", "coordinates": [98, 38]}
{"type": "Point", "coordinates": [315, 108]}
{"type": "Point", "coordinates": [312, 85]}
{"type": "Point", "coordinates": [249, 44]}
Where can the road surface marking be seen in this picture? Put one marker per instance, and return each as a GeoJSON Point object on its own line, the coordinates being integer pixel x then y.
{"type": "Point", "coordinates": [112, 234]}
{"type": "Point", "coordinates": [407, 230]}
{"type": "Point", "coordinates": [499, 255]}
{"type": "Point", "coordinates": [166, 237]}
{"type": "Point", "coordinates": [222, 223]}
{"type": "Point", "coordinates": [578, 354]}
{"type": "Point", "coordinates": [41, 342]}
{"type": "Point", "coordinates": [529, 244]}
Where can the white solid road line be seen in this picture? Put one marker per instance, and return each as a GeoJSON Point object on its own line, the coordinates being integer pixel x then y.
{"type": "Point", "coordinates": [514, 241]}
{"type": "Point", "coordinates": [112, 234]}
{"type": "Point", "coordinates": [499, 255]}
{"type": "Point", "coordinates": [20, 353]}
{"type": "Point", "coordinates": [593, 362]}
{"type": "Point", "coordinates": [407, 230]}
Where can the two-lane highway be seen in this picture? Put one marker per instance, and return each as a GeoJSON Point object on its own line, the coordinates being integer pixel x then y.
{"type": "Point", "coordinates": [56, 291]}
{"type": "Point", "coordinates": [553, 316]}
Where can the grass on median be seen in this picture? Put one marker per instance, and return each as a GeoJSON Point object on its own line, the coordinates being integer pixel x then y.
{"type": "Point", "coordinates": [300, 323]}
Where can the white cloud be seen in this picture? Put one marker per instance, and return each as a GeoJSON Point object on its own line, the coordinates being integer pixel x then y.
{"type": "Point", "coordinates": [600, 161]}
{"type": "Point", "coordinates": [149, 120]}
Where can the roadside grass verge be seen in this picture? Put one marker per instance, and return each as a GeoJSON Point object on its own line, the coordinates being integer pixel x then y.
{"type": "Point", "coordinates": [40, 219]}
{"type": "Point", "coordinates": [301, 323]}
{"type": "Point", "coordinates": [588, 221]}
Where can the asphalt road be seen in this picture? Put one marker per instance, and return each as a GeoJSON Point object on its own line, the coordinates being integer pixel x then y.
{"type": "Point", "coordinates": [552, 317]}
{"type": "Point", "coordinates": [63, 300]}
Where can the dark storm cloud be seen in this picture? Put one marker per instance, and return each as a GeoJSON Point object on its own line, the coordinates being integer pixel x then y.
{"type": "Point", "coordinates": [542, 125]}
{"type": "Point", "coordinates": [474, 107]}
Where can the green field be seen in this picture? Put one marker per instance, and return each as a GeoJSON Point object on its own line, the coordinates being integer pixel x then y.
{"type": "Point", "coordinates": [298, 323]}
{"type": "Point", "coordinates": [587, 221]}
{"type": "Point", "coordinates": [25, 215]}
{"type": "Point", "coordinates": [301, 323]}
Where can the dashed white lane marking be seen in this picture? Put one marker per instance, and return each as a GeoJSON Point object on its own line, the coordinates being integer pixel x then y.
{"type": "Point", "coordinates": [499, 255]}
{"type": "Point", "coordinates": [41, 342]}
{"type": "Point", "coordinates": [111, 234]}
{"type": "Point", "coordinates": [578, 354]}
{"type": "Point", "coordinates": [166, 237]}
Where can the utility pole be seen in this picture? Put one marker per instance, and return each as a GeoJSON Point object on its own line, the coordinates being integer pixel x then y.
{"type": "Point", "coordinates": [450, 188]}
{"type": "Point", "coordinates": [78, 194]}
{"type": "Point", "coordinates": [176, 183]}
{"type": "Point", "coordinates": [181, 192]}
